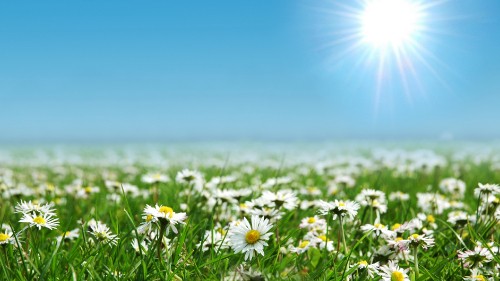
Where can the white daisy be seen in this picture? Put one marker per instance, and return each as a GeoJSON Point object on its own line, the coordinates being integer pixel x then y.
{"type": "Point", "coordinates": [378, 229]}
{"type": "Point", "coordinates": [312, 222]}
{"type": "Point", "coordinates": [40, 220]}
{"type": "Point", "coordinates": [303, 246]}
{"type": "Point", "coordinates": [399, 196]}
{"type": "Point", "coordinates": [285, 198]}
{"type": "Point", "coordinates": [367, 196]}
{"type": "Point", "coordinates": [320, 240]}
{"type": "Point", "coordinates": [421, 240]}
{"type": "Point", "coordinates": [475, 275]}
{"type": "Point", "coordinates": [487, 189]}
{"type": "Point", "coordinates": [24, 207]}
{"type": "Point", "coordinates": [475, 258]}
{"type": "Point", "coordinates": [155, 178]}
{"type": "Point", "coordinates": [190, 177]}
{"type": "Point", "coordinates": [249, 238]}
{"type": "Point", "coordinates": [432, 202]}
{"type": "Point", "coordinates": [6, 237]}
{"type": "Point", "coordinates": [338, 208]}
{"type": "Point", "coordinates": [392, 272]}
{"type": "Point", "coordinates": [69, 235]}
{"type": "Point", "coordinates": [165, 214]}
{"type": "Point", "coordinates": [139, 247]}
{"type": "Point", "coordinates": [371, 269]}
{"type": "Point", "coordinates": [453, 186]}
{"type": "Point", "coordinates": [101, 233]}
{"type": "Point", "coordinates": [460, 218]}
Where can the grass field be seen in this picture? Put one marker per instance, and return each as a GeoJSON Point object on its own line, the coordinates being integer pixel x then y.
{"type": "Point", "coordinates": [300, 213]}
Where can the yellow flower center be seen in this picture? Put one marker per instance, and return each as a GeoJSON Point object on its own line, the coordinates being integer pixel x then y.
{"type": "Point", "coordinates": [363, 263]}
{"type": "Point", "coordinates": [149, 218]}
{"type": "Point", "coordinates": [415, 236]}
{"type": "Point", "coordinates": [157, 176]}
{"type": "Point", "coordinates": [303, 244]}
{"type": "Point", "coordinates": [88, 189]}
{"type": "Point", "coordinates": [311, 189]}
{"type": "Point", "coordinates": [221, 231]}
{"type": "Point", "coordinates": [378, 225]}
{"type": "Point", "coordinates": [480, 278]}
{"type": "Point", "coordinates": [4, 237]}
{"type": "Point", "coordinates": [67, 233]}
{"type": "Point", "coordinates": [396, 226]}
{"type": "Point", "coordinates": [311, 220]}
{"type": "Point", "coordinates": [39, 220]}
{"type": "Point", "coordinates": [397, 276]}
{"type": "Point", "coordinates": [243, 206]}
{"type": "Point", "coordinates": [252, 236]}
{"type": "Point", "coordinates": [398, 239]}
{"type": "Point", "coordinates": [431, 219]}
{"type": "Point", "coordinates": [322, 237]}
{"type": "Point", "coordinates": [101, 235]}
{"type": "Point", "coordinates": [341, 204]}
{"type": "Point", "coordinates": [167, 211]}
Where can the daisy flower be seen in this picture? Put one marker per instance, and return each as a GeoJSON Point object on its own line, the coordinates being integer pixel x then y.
{"type": "Point", "coordinates": [269, 213]}
{"type": "Point", "coordinates": [69, 235]}
{"type": "Point", "coordinates": [366, 196]}
{"type": "Point", "coordinates": [421, 240]}
{"type": "Point", "coordinates": [398, 243]}
{"type": "Point", "coordinates": [139, 247]}
{"type": "Point", "coordinates": [475, 258]}
{"type": "Point", "coordinates": [248, 237]}
{"type": "Point", "coordinates": [40, 220]}
{"type": "Point", "coordinates": [24, 207]}
{"type": "Point", "coordinates": [165, 214]}
{"type": "Point", "coordinates": [453, 186]}
{"type": "Point", "coordinates": [460, 218]}
{"type": "Point", "coordinates": [392, 272]}
{"type": "Point", "coordinates": [85, 192]}
{"type": "Point", "coordinates": [101, 233]}
{"type": "Point", "coordinates": [475, 275]}
{"type": "Point", "coordinates": [378, 229]}
{"type": "Point", "coordinates": [321, 241]}
{"type": "Point", "coordinates": [371, 269]}
{"type": "Point", "coordinates": [312, 222]}
{"type": "Point", "coordinates": [225, 196]}
{"type": "Point", "coordinates": [155, 178]}
{"type": "Point", "coordinates": [285, 198]}
{"type": "Point", "coordinates": [399, 196]}
{"type": "Point", "coordinates": [487, 189]}
{"type": "Point", "coordinates": [7, 237]}
{"type": "Point", "coordinates": [338, 208]}
{"type": "Point", "coordinates": [345, 180]}
{"type": "Point", "coordinates": [302, 247]}
{"type": "Point", "coordinates": [432, 202]}
{"type": "Point", "coordinates": [190, 177]}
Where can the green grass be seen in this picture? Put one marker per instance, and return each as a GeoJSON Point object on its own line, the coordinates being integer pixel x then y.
{"type": "Point", "coordinates": [35, 255]}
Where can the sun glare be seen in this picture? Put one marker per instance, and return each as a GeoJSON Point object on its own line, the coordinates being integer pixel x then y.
{"type": "Point", "coordinates": [389, 22]}
{"type": "Point", "coordinates": [393, 40]}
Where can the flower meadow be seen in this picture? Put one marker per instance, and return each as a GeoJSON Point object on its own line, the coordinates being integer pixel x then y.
{"type": "Point", "coordinates": [321, 212]}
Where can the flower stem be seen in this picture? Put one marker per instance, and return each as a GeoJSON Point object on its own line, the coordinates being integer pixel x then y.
{"type": "Point", "coordinates": [163, 227]}
{"type": "Point", "coordinates": [343, 235]}
{"type": "Point", "coordinates": [415, 253]}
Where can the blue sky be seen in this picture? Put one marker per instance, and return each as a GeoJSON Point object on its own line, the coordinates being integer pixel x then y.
{"type": "Point", "coordinates": [217, 70]}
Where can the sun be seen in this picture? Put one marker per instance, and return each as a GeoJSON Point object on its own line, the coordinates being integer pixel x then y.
{"type": "Point", "coordinates": [390, 23]}
{"type": "Point", "coordinates": [390, 44]}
